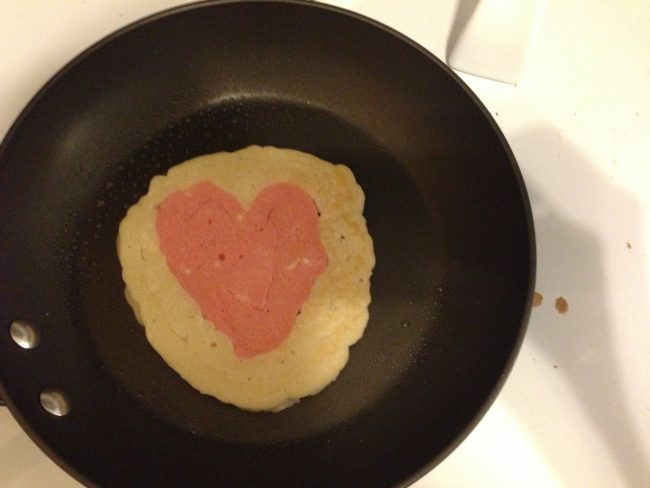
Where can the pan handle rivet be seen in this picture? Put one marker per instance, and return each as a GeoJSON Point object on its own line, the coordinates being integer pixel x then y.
{"type": "Point", "coordinates": [55, 402]}
{"type": "Point", "coordinates": [24, 334]}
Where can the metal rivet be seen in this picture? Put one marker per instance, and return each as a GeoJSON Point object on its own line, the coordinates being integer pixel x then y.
{"type": "Point", "coordinates": [24, 334]}
{"type": "Point", "coordinates": [55, 402]}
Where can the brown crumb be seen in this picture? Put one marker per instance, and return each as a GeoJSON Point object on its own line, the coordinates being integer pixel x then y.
{"type": "Point", "coordinates": [213, 344]}
{"type": "Point", "coordinates": [555, 366]}
{"type": "Point", "coordinates": [629, 246]}
{"type": "Point", "coordinates": [561, 305]}
{"type": "Point", "coordinates": [538, 298]}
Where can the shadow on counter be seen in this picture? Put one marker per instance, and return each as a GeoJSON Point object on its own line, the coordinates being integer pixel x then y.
{"type": "Point", "coordinates": [570, 262]}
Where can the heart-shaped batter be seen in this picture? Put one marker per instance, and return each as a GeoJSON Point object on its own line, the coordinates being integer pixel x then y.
{"type": "Point", "coordinates": [249, 271]}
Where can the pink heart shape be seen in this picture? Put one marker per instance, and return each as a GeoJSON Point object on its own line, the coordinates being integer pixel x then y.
{"type": "Point", "coordinates": [249, 271]}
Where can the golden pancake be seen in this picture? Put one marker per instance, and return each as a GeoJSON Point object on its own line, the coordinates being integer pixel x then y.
{"type": "Point", "coordinates": [332, 318]}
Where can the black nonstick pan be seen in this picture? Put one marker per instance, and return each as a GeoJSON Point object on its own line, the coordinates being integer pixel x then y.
{"type": "Point", "coordinates": [445, 205]}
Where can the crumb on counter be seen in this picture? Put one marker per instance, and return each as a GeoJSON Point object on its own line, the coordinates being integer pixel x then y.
{"type": "Point", "coordinates": [561, 305]}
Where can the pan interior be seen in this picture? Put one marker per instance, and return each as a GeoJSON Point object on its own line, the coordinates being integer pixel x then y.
{"type": "Point", "coordinates": [404, 290]}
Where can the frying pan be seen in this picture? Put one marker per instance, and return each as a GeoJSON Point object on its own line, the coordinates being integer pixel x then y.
{"type": "Point", "coordinates": [445, 204]}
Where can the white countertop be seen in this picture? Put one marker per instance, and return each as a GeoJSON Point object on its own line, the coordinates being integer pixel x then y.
{"type": "Point", "coordinates": [576, 409]}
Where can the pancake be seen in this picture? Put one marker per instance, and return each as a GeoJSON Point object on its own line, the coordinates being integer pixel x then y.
{"type": "Point", "coordinates": [331, 318]}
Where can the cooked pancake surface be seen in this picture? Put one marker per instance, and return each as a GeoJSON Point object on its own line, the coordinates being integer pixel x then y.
{"type": "Point", "coordinates": [324, 278]}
